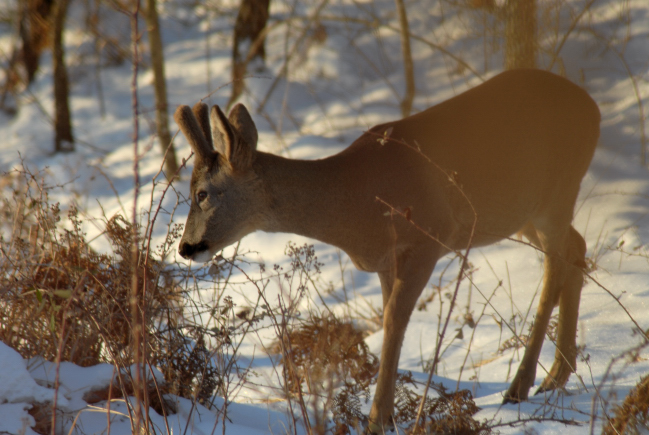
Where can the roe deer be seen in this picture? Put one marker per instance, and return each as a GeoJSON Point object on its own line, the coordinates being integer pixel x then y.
{"type": "Point", "coordinates": [508, 155]}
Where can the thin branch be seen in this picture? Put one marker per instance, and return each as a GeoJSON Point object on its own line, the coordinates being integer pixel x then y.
{"type": "Point", "coordinates": [137, 329]}
{"type": "Point", "coordinates": [573, 25]}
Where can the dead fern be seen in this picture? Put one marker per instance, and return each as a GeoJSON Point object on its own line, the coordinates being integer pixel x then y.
{"type": "Point", "coordinates": [632, 417]}
{"type": "Point", "coordinates": [346, 408]}
{"type": "Point", "coordinates": [450, 413]}
{"type": "Point", "coordinates": [325, 349]}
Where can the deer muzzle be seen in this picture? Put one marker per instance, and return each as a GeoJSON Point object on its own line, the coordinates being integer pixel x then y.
{"type": "Point", "coordinates": [190, 250]}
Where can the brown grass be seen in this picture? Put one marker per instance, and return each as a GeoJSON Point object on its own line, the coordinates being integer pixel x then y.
{"type": "Point", "coordinates": [61, 300]}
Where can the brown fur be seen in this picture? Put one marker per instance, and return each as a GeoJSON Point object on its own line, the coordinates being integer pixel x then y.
{"type": "Point", "coordinates": [513, 149]}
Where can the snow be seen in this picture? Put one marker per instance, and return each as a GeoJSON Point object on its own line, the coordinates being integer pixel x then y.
{"type": "Point", "coordinates": [334, 91]}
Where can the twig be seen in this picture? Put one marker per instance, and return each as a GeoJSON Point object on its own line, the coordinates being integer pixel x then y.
{"type": "Point", "coordinates": [137, 329]}
{"type": "Point", "coordinates": [289, 56]}
{"type": "Point", "coordinates": [463, 267]}
{"type": "Point", "coordinates": [59, 354]}
{"type": "Point", "coordinates": [617, 299]}
{"type": "Point", "coordinates": [573, 25]}
{"type": "Point", "coordinates": [522, 421]}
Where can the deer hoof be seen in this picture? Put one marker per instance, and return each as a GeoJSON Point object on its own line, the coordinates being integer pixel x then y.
{"type": "Point", "coordinates": [513, 395]}
{"type": "Point", "coordinates": [372, 428]}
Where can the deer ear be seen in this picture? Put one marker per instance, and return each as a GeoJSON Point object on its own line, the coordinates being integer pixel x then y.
{"type": "Point", "coordinates": [202, 115]}
{"type": "Point", "coordinates": [194, 134]}
{"type": "Point", "coordinates": [243, 124]}
{"type": "Point", "coordinates": [222, 133]}
{"type": "Point", "coordinates": [232, 137]}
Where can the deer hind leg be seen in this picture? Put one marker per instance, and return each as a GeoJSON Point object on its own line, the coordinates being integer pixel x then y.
{"type": "Point", "coordinates": [401, 288]}
{"type": "Point", "coordinates": [564, 253]}
{"type": "Point", "coordinates": [565, 358]}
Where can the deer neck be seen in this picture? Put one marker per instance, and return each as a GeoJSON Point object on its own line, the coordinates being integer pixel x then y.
{"type": "Point", "coordinates": [302, 196]}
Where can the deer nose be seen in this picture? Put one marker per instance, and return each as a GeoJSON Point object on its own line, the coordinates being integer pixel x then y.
{"type": "Point", "coordinates": [188, 250]}
{"type": "Point", "coordinates": [185, 250]}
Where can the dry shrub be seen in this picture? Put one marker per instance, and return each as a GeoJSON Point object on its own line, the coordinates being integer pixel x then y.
{"type": "Point", "coordinates": [327, 353]}
{"type": "Point", "coordinates": [451, 412]}
{"type": "Point", "coordinates": [58, 292]}
{"type": "Point", "coordinates": [61, 300]}
{"type": "Point", "coordinates": [632, 416]}
{"type": "Point", "coordinates": [188, 366]}
{"type": "Point", "coordinates": [327, 349]}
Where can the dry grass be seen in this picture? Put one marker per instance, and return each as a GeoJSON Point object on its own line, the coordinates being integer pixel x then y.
{"type": "Point", "coordinates": [63, 301]}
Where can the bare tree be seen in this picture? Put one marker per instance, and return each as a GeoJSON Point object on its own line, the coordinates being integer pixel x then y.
{"type": "Point", "coordinates": [408, 68]}
{"type": "Point", "coordinates": [520, 34]}
{"type": "Point", "coordinates": [63, 139]}
{"type": "Point", "coordinates": [249, 41]}
{"type": "Point", "coordinates": [160, 86]}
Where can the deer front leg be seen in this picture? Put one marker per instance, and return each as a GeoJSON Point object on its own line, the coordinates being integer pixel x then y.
{"type": "Point", "coordinates": [526, 373]}
{"type": "Point", "coordinates": [401, 288]}
{"type": "Point", "coordinates": [524, 379]}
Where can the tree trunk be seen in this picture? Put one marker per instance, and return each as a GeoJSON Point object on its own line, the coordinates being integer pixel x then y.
{"type": "Point", "coordinates": [33, 27]}
{"type": "Point", "coordinates": [249, 41]}
{"type": "Point", "coordinates": [520, 34]}
{"type": "Point", "coordinates": [63, 140]}
{"type": "Point", "coordinates": [408, 68]}
{"type": "Point", "coordinates": [160, 86]}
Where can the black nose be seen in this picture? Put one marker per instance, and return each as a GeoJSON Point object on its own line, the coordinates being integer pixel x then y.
{"type": "Point", "coordinates": [188, 250]}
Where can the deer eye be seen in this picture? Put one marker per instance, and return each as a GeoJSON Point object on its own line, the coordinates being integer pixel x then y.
{"type": "Point", "coordinates": [201, 196]}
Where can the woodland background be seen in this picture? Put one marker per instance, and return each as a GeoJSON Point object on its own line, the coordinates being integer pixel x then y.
{"type": "Point", "coordinates": [103, 327]}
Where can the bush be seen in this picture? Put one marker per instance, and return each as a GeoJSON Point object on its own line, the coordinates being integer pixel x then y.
{"type": "Point", "coordinates": [61, 300]}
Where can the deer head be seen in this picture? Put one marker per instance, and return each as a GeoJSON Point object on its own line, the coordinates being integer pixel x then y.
{"type": "Point", "coordinates": [225, 192]}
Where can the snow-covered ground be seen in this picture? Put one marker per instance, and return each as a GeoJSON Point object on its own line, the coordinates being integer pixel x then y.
{"type": "Point", "coordinates": [337, 87]}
